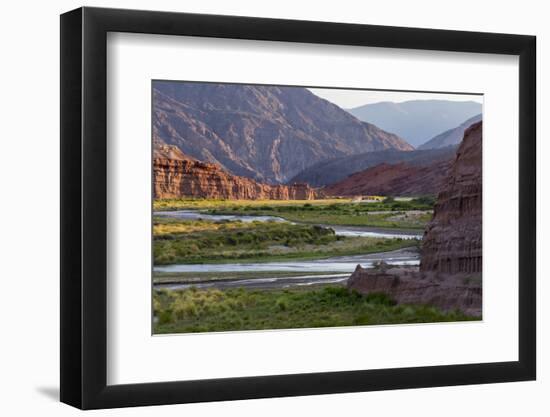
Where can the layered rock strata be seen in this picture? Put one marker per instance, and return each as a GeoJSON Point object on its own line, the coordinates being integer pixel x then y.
{"type": "Point", "coordinates": [176, 178]}
{"type": "Point", "coordinates": [453, 240]}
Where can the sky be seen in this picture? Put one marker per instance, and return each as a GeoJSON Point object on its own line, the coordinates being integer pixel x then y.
{"type": "Point", "coordinates": [348, 99]}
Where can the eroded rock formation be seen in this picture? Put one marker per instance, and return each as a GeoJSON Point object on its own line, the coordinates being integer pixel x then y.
{"type": "Point", "coordinates": [181, 176]}
{"type": "Point", "coordinates": [452, 240]}
{"type": "Point", "coordinates": [406, 285]}
{"type": "Point", "coordinates": [449, 276]}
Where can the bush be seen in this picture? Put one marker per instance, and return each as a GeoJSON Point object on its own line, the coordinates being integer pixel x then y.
{"type": "Point", "coordinates": [282, 304]}
{"type": "Point", "coordinates": [380, 299]}
{"type": "Point", "coordinates": [425, 200]}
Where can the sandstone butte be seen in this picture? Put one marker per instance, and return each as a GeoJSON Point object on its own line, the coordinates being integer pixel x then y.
{"type": "Point", "coordinates": [449, 276]}
{"type": "Point", "coordinates": [177, 175]}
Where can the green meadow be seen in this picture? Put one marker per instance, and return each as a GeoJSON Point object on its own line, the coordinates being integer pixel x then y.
{"type": "Point", "coordinates": [196, 310]}
{"type": "Point", "coordinates": [390, 213]}
{"type": "Point", "coordinates": [203, 241]}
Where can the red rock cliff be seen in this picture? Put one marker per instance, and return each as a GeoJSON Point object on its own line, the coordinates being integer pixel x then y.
{"type": "Point", "coordinates": [452, 240]}
{"type": "Point", "coordinates": [187, 177]}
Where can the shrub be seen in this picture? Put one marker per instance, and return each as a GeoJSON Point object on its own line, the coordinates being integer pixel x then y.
{"type": "Point", "coordinates": [380, 299]}
{"type": "Point", "coordinates": [282, 303]}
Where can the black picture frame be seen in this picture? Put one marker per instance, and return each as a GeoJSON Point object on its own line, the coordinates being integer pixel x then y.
{"type": "Point", "coordinates": [84, 207]}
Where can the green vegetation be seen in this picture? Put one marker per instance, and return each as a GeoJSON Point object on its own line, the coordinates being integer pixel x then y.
{"type": "Point", "coordinates": [390, 213]}
{"type": "Point", "coordinates": [200, 241]}
{"type": "Point", "coordinates": [388, 204]}
{"type": "Point", "coordinates": [342, 214]}
{"type": "Point", "coordinates": [203, 204]}
{"type": "Point", "coordinates": [168, 228]}
{"type": "Point", "coordinates": [195, 310]}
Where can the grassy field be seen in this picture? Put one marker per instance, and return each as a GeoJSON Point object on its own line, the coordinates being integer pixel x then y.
{"type": "Point", "coordinates": [351, 216]}
{"type": "Point", "coordinates": [205, 204]}
{"type": "Point", "coordinates": [195, 310]}
{"type": "Point", "coordinates": [200, 241]}
{"type": "Point", "coordinates": [411, 214]}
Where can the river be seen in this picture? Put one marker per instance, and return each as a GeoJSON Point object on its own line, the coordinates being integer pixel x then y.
{"type": "Point", "coordinates": [334, 270]}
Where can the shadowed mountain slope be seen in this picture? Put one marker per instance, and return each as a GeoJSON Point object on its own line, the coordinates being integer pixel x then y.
{"type": "Point", "coordinates": [337, 169]}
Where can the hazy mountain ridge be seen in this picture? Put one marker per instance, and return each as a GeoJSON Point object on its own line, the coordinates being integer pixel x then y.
{"type": "Point", "coordinates": [417, 121]}
{"type": "Point", "coordinates": [452, 136]}
{"type": "Point", "coordinates": [261, 132]}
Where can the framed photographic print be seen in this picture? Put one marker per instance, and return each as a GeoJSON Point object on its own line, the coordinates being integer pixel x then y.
{"type": "Point", "coordinates": [257, 208]}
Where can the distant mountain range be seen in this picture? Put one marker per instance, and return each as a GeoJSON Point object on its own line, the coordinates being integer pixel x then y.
{"type": "Point", "coordinates": [266, 133]}
{"type": "Point", "coordinates": [417, 121]}
{"type": "Point", "coordinates": [452, 136]}
{"type": "Point", "coordinates": [337, 169]}
{"type": "Point", "coordinates": [419, 176]}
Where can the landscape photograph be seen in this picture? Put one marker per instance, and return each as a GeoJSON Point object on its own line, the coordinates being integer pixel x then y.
{"type": "Point", "coordinates": [289, 207]}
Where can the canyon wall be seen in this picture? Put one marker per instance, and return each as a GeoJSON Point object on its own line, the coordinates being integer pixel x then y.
{"type": "Point", "coordinates": [187, 177]}
{"type": "Point", "coordinates": [452, 240]}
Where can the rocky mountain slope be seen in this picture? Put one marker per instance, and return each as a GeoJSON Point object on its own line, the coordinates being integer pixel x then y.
{"type": "Point", "coordinates": [401, 179]}
{"type": "Point", "coordinates": [452, 240]}
{"type": "Point", "coordinates": [450, 137]}
{"type": "Point", "coordinates": [266, 133]}
{"type": "Point", "coordinates": [337, 169]}
{"type": "Point", "coordinates": [177, 175]}
{"type": "Point", "coordinates": [417, 120]}
{"type": "Point", "coordinates": [161, 150]}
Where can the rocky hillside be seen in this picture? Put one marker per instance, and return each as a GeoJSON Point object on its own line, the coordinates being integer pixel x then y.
{"type": "Point", "coordinates": [416, 121]}
{"type": "Point", "coordinates": [452, 240]}
{"type": "Point", "coordinates": [452, 136]}
{"type": "Point", "coordinates": [179, 176]}
{"type": "Point", "coordinates": [337, 169]}
{"type": "Point", "coordinates": [401, 179]}
{"type": "Point", "coordinates": [163, 151]}
{"type": "Point", "coordinates": [266, 133]}
{"type": "Point", "coordinates": [406, 285]}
